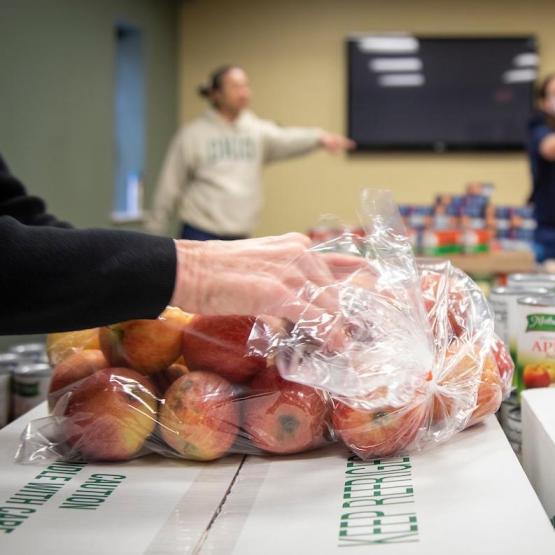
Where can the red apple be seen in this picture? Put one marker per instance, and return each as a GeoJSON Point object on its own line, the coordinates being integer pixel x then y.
{"type": "Point", "coordinates": [164, 379]}
{"type": "Point", "coordinates": [110, 415]}
{"type": "Point", "coordinates": [72, 369]}
{"type": "Point", "coordinates": [504, 363]}
{"type": "Point", "coordinates": [177, 316]}
{"type": "Point", "coordinates": [469, 386]}
{"type": "Point", "coordinates": [282, 416]}
{"type": "Point", "coordinates": [147, 346]}
{"type": "Point", "coordinates": [219, 344]}
{"type": "Point", "coordinates": [381, 432]}
{"type": "Point", "coordinates": [536, 375]}
{"type": "Point", "coordinates": [490, 391]}
{"type": "Point", "coordinates": [199, 417]}
{"type": "Point", "coordinates": [437, 289]}
{"type": "Point", "coordinates": [62, 344]}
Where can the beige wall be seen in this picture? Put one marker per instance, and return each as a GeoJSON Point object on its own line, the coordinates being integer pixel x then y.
{"type": "Point", "coordinates": [294, 53]}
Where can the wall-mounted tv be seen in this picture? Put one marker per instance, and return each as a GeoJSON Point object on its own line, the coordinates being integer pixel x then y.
{"type": "Point", "coordinates": [409, 92]}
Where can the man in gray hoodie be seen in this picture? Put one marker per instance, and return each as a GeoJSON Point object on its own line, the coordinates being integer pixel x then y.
{"type": "Point", "coordinates": [212, 171]}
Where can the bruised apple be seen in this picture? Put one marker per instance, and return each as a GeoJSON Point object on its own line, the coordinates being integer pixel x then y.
{"type": "Point", "coordinates": [72, 369]}
{"type": "Point", "coordinates": [147, 346]}
{"type": "Point", "coordinates": [380, 432]}
{"type": "Point", "coordinates": [282, 416]}
{"type": "Point", "coordinates": [199, 417]}
{"type": "Point", "coordinates": [219, 344]}
{"type": "Point", "coordinates": [62, 344]}
{"type": "Point", "coordinates": [110, 414]}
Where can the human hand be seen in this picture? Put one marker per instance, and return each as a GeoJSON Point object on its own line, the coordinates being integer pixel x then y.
{"type": "Point", "coordinates": [336, 143]}
{"type": "Point", "coordinates": [274, 276]}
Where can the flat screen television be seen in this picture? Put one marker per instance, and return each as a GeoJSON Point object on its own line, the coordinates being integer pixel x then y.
{"type": "Point", "coordinates": [410, 92]}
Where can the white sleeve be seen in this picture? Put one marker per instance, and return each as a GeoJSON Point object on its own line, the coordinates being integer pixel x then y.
{"type": "Point", "coordinates": [286, 142]}
{"type": "Point", "coordinates": [171, 182]}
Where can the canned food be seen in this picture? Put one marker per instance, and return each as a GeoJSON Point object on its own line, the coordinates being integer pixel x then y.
{"type": "Point", "coordinates": [30, 383]}
{"type": "Point", "coordinates": [437, 242]}
{"type": "Point", "coordinates": [8, 362]}
{"type": "Point", "coordinates": [503, 301]}
{"type": "Point", "coordinates": [476, 240]}
{"type": "Point", "coordinates": [513, 429]}
{"type": "Point", "coordinates": [536, 341]}
{"type": "Point", "coordinates": [32, 352]}
{"type": "Point", "coordinates": [532, 279]}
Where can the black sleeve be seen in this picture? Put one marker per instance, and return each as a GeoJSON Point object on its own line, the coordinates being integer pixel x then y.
{"type": "Point", "coordinates": [58, 279]}
{"type": "Point", "coordinates": [14, 201]}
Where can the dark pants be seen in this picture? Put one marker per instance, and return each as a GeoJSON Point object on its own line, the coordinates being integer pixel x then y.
{"type": "Point", "coordinates": [195, 234]}
{"type": "Point", "coordinates": [544, 243]}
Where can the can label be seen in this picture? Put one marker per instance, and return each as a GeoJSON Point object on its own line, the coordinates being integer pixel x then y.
{"type": "Point", "coordinates": [536, 346]}
{"type": "Point", "coordinates": [5, 397]}
{"type": "Point", "coordinates": [28, 392]}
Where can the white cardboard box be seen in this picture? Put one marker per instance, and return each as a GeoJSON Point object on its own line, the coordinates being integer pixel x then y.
{"type": "Point", "coordinates": [538, 444]}
{"type": "Point", "coordinates": [467, 497]}
{"type": "Point", "coordinates": [157, 506]}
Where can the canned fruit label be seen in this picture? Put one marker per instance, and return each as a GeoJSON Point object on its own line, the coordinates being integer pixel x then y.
{"type": "Point", "coordinates": [536, 347]}
{"type": "Point", "coordinates": [28, 392]}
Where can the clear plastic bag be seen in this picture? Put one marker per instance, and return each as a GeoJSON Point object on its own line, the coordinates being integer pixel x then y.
{"type": "Point", "coordinates": [406, 358]}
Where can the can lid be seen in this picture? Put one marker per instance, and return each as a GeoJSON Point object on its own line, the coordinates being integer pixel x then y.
{"type": "Point", "coordinates": [8, 361]}
{"type": "Point", "coordinates": [26, 348]}
{"type": "Point", "coordinates": [521, 289]}
{"type": "Point", "coordinates": [513, 278]}
{"type": "Point", "coordinates": [37, 368]}
{"type": "Point", "coordinates": [538, 300]}
{"type": "Point", "coordinates": [8, 357]}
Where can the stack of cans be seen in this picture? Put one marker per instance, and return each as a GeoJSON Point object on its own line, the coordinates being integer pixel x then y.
{"type": "Point", "coordinates": [525, 320]}
{"type": "Point", "coordinates": [24, 380]}
{"type": "Point", "coordinates": [514, 227]}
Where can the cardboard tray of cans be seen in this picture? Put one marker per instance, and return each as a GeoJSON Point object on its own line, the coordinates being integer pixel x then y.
{"type": "Point", "coordinates": [451, 499]}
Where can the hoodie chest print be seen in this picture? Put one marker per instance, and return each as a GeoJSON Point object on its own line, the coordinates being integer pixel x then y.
{"type": "Point", "coordinates": [231, 148]}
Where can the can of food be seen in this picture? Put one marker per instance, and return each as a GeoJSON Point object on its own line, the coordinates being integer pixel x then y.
{"type": "Point", "coordinates": [31, 352]}
{"type": "Point", "coordinates": [532, 280]}
{"type": "Point", "coordinates": [536, 341]}
{"type": "Point", "coordinates": [30, 383]}
{"type": "Point", "coordinates": [8, 363]}
{"type": "Point", "coordinates": [513, 428]}
{"type": "Point", "coordinates": [503, 301]}
{"type": "Point", "coordinates": [476, 240]}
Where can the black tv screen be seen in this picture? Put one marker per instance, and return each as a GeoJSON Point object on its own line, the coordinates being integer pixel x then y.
{"type": "Point", "coordinates": [440, 93]}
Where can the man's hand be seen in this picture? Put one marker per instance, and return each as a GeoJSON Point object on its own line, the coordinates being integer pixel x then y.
{"type": "Point", "coordinates": [336, 143]}
{"type": "Point", "coordinates": [275, 276]}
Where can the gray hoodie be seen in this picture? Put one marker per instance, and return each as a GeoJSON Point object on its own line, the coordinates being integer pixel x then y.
{"type": "Point", "coordinates": [212, 171]}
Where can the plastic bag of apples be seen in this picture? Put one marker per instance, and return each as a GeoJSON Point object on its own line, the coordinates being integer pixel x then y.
{"type": "Point", "coordinates": [407, 358]}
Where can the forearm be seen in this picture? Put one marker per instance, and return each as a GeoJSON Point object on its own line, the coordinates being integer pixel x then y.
{"type": "Point", "coordinates": [63, 279]}
{"type": "Point", "coordinates": [289, 142]}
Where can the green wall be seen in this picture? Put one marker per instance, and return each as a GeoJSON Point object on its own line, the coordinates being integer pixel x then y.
{"type": "Point", "coordinates": [57, 98]}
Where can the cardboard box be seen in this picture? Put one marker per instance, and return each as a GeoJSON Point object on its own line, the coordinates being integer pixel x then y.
{"type": "Point", "coordinates": [538, 444]}
{"type": "Point", "coordinates": [469, 496]}
{"type": "Point", "coordinates": [150, 505]}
